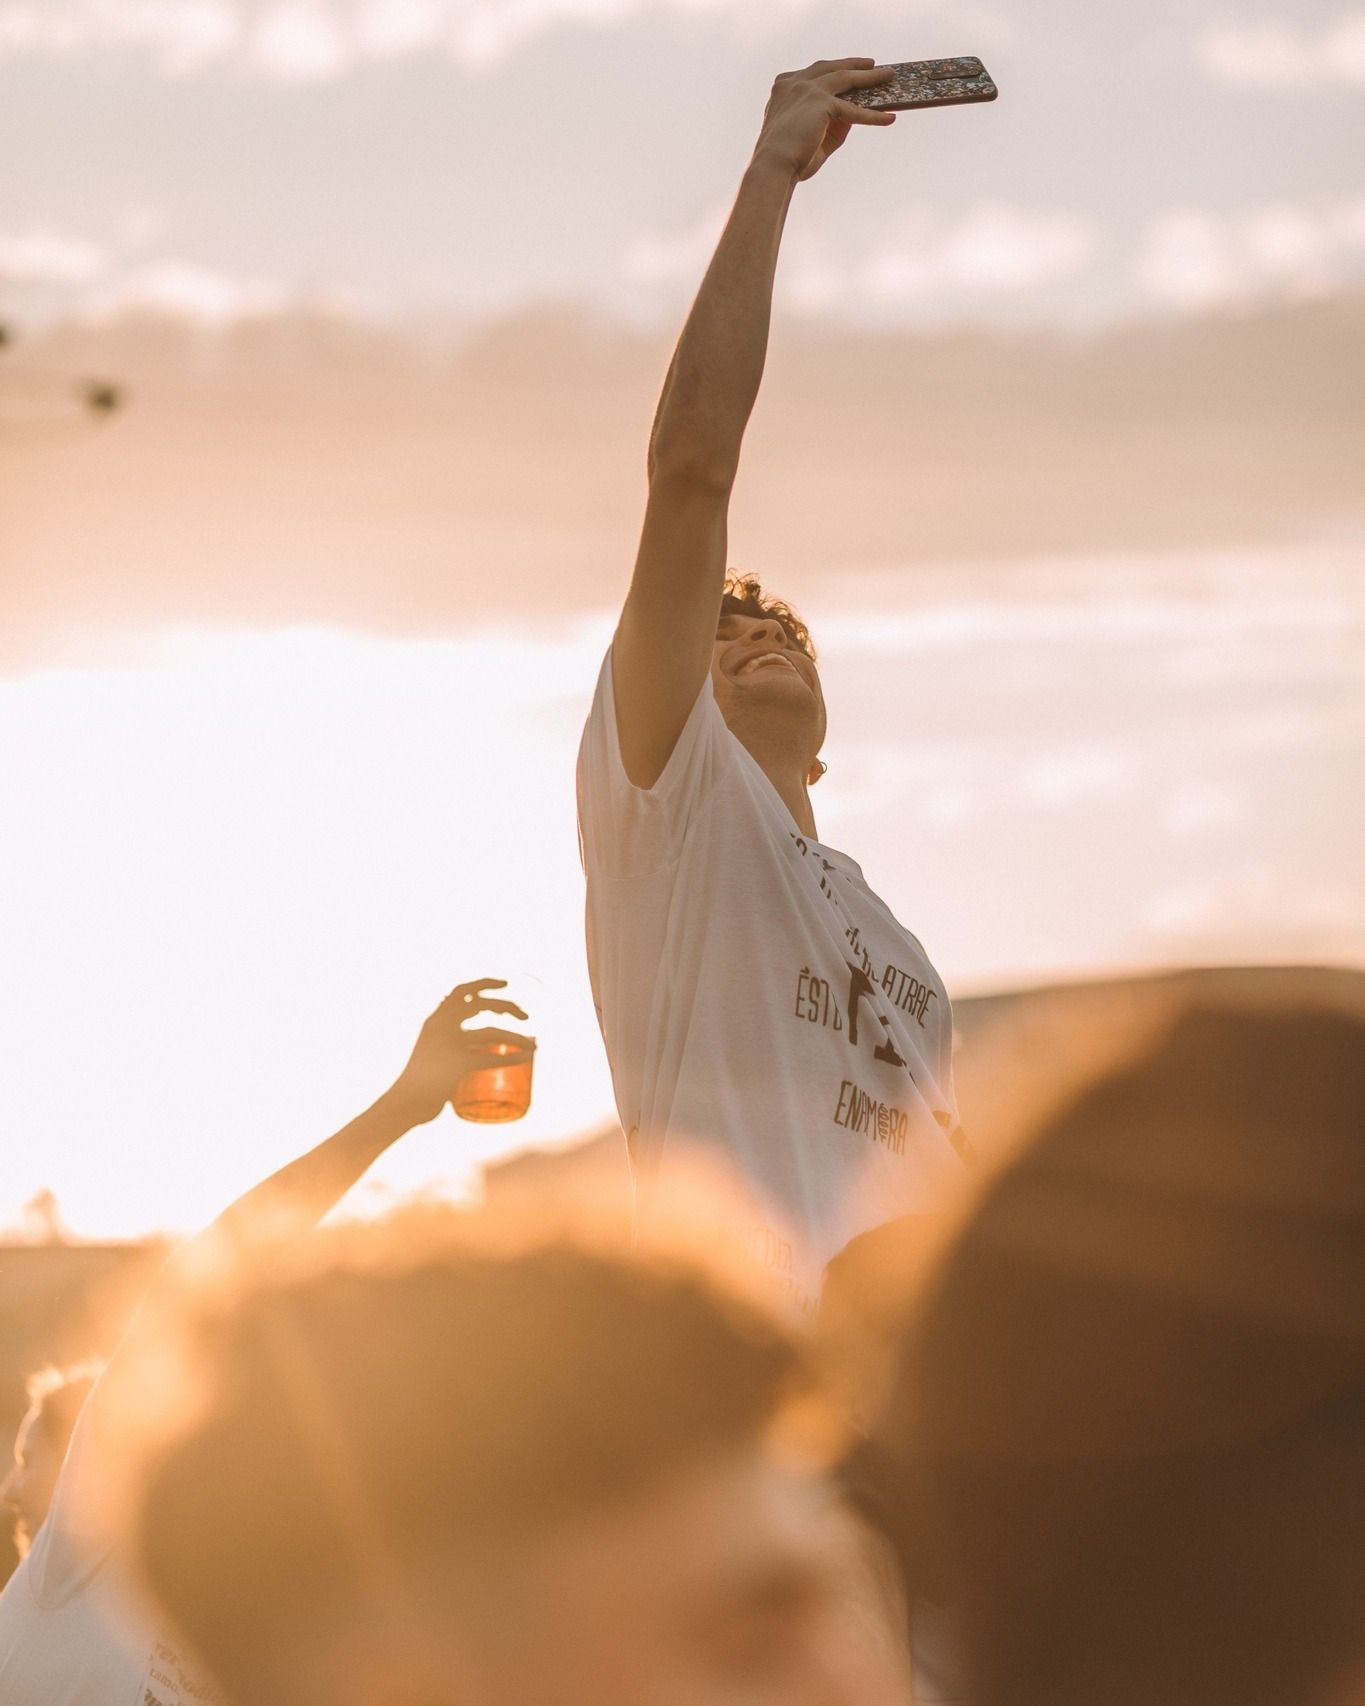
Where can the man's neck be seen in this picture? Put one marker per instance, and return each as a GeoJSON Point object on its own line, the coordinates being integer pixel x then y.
{"type": "Point", "coordinates": [787, 771]}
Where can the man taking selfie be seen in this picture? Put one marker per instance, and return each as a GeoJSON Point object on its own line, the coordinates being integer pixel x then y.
{"type": "Point", "coordinates": [759, 1002]}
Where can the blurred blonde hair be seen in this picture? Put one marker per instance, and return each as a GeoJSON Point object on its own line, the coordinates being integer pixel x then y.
{"type": "Point", "coordinates": [56, 1396]}
{"type": "Point", "coordinates": [440, 1386]}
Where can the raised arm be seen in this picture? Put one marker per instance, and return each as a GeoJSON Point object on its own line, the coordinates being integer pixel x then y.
{"type": "Point", "coordinates": [290, 1203]}
{"type": "Point", "coordinates": [662, 651]}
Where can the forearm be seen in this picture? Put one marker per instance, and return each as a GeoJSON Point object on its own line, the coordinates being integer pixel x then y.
{"type": "Point", "coordinates": [273, 1214]}
{"type": "Point", "coordinates": [294, 1199]}
{"type": "Point", "coordinates": [263, 1225]}
{"type": "Point", "coordinates": [717, 368]}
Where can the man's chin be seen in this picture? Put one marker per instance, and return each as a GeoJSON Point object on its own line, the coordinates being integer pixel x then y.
{"type": "Point", "coordinates": [22, 1538]}
{"type": "Point", "coordinates": [780, 693]}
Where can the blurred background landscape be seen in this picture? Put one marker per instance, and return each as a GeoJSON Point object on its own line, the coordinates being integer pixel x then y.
{"type": "Point", "coordinates": [1060, 454]}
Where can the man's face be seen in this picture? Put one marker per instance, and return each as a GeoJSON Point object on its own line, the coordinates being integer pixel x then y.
{"type": "Point", "coordinates": [27, 1489]}
{"type": "Point", "coordinates": [760, 674]}
{"type": "Point", "coordinates": [743, 1582]}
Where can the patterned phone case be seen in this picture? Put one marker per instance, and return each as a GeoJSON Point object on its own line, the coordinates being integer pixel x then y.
{"type": "Point", "coordinates": [928, 83]}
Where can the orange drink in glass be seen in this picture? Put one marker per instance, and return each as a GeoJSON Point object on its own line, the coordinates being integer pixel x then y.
{"type": "Point", "coordinates": [499, 1087]}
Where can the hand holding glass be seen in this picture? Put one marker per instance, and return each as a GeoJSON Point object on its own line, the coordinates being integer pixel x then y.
{"type": "Point", "coordinates": [483, 1074]}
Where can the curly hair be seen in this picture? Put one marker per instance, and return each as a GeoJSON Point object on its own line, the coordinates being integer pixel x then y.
{"type": "Point", "coordinates": [57, 1394]}
{"type": "Point", "coordinates": [744, 596]}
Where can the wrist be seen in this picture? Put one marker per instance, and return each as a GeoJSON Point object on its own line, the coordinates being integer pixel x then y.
{"type": "Point", "coordinates": [770, 168]}
{"type": "Point", "coordinates": [401, 1107]}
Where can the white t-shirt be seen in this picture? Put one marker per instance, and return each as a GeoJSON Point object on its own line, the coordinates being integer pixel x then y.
{"type": "Point", "coordinates": [67, 1634]}
{"type": "Point", "coordinates": [758, 999]}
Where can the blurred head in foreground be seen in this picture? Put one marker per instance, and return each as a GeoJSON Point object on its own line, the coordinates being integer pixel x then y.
{"type": "Point", "coordinates": [55, 1397]}
{"type": "Point", "coordinates": [1128, 1433]}
{"type": "Point", "coordinates": [470, 1474]}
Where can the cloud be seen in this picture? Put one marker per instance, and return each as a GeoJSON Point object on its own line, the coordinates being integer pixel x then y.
{"type": "Point", "coordinates": [487, 31]}
{"type": "Point", "coordinates": [45, 257]}
{"type": "Point", "coordinates": [183, 290]}
{"type": "Point", "coordinates": [386, 28]}
{"type": "Point", "coordinates": [1199, 807]}
{"type": "Point", "coordinates": [182, 35]}
{"type": "Point", "coordinates": [315, 40]}
{"type": "Point", "coordinates": [676, 257]}
{"type": "Point", "coordinates": [1279, 55]}
{"type": "Point", "coordinates": [1187, 260]}
{"type": "Point", "coordinates": [1192, 259]}
{"type": "Point", "coordinates": [1258, 903]}
{"type": "Point", "coordinates": [1068, 774]}
{"type": "Point", "coordinates": [290, 40]}
{"type": "Point", "coordinates": [69, 274]}
{"type": "Point", "coordinates": [994, 248]}
{"type": "Point", "coordinates": [302, 41]}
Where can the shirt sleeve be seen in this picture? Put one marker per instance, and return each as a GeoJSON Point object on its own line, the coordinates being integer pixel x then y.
{"type": "Point", "coordinates": [625, 830]}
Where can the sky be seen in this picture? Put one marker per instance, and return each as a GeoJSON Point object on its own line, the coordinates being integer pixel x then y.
{"type": "Point", "coordinates": [1058, 452]}
{"type": "Point", "coordinates": [239, 868]}
{"type": "Point", "coordinates": [420, 158]}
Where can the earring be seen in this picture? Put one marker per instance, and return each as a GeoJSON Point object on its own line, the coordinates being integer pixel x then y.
{"type": "Point", "coordinates": [819, 768]}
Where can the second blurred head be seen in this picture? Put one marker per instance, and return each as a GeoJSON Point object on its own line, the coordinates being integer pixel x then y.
{"type": "Point", "coordinates": [475, 1475]}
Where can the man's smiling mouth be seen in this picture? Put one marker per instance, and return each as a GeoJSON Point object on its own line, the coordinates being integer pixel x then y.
{"type": "Point", "coordinates": [770, 658]}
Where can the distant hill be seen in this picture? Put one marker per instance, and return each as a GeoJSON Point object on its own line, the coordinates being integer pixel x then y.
{"type": "Point", "coordinates": [1005, 1043]}
{"type": "Point", "coordinates": [303, 469]}
{"type": "Point", "coordinates": [1016, 1037]}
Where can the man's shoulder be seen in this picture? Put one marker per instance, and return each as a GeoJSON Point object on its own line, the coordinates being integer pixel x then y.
{"type": "Point", "coordinates": [706, 759]}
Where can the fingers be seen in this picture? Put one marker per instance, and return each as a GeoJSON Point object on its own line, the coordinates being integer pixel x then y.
{"type": "Point", "coordinates": [468, 1000]}
{"type": "Point", "coordinates": [468, 996]}
{"type": "Point", "coordinates": [861, 76]}
{"type": "Point", "coordinates": [823, 67]}
{"type": "Point", "coordinates": [487, 1034]}
{"type": "Point", "coordinates": [477, 987]}
{"type": "Point", "coordinates": [848, 113]}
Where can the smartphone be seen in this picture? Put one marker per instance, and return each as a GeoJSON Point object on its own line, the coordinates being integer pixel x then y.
{"type": "Point", "coordinates": [928, 83]}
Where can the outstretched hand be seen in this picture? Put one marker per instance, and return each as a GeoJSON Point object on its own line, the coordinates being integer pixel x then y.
{"type": "Point", "coordinates": [445, 1051]}
{"type": "Point", "coordinates": [806, 120]}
